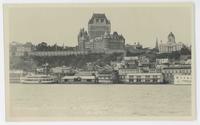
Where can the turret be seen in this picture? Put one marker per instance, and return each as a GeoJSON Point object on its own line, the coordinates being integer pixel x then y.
{"type": "Point", "coordinates": [82, 38]}
{"type": "Point", "coordinates": [171, 38]}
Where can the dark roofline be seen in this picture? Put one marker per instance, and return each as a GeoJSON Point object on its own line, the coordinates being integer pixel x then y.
{"type": "Point", "coordinates": [188, 67]}
{"type": "Point", "coordinates": [98, 15]}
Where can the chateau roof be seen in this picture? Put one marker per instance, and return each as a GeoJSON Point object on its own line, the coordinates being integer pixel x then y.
{"type": "Point", "coordinates": [98, 15]}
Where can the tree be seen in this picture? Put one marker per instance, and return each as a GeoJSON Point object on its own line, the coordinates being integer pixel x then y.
{"type": "Point", "coordinates": [185, 51]}
{"type": "Point", "coordinates": [42, 46]}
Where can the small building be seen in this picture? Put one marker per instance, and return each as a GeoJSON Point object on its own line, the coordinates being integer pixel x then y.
{"type": "Point", "coordinates": [170, 72]}
{"type": "Point", "coordinates": [125, 71]}
{"type": "Point", "coordinates": [182, 79]}
{"type": "Point", "coordinates": [134, 46]}
{"type": "Point", "coordinates": [163, 61]}
{"type": "Point", "coordinates": [116, 65]}
{"type": "Point", "coordinates": [104, 78]}
{"type": "Point", "coordinates": [79, 79]}
{"type": "Point", "coordinates": [144, 78]}
{"type": "Point", "coordinates": [161, 66]}
{"type": "Point", "coordinates": [86, 73]}
{"type": "Point", "coordinates": [130, 61]}
{"type": "Point", "coordinates": [143, 61]}
{"type": "Point", "coordinates": [61, 70]}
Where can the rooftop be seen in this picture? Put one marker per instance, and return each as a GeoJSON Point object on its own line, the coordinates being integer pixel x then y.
{"type": "Point", "coordinates": [98, 15]}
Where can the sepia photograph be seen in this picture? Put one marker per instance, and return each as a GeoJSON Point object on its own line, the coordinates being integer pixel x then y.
{"type": "Point", "coordinates": [99, 61]}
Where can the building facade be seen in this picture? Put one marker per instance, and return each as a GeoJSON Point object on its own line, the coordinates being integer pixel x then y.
{"type": "Point", "coordinates": [163, 61]}
{"type": "Point", "coordinates": [99, 38]}
{"type": "Point", "coordinates": [182, 79]}
{"type": "Point", "coordinates": [170, 72]}
{"type": "Point", "coordinates": [98, 25]}
{"type": "Point", "coordinates": [104, 78]}
{"type": "Point", "coordinates": [171, 45]}
{"type": "Point", "coordinates": [78, 79]}
{"type": "Point", "coordinates": [82, 39]}
{"type": "Point", "coordinates": [145, 78]}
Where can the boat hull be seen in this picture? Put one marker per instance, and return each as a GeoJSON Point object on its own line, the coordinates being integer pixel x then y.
{"type": "Point", "coordinates": [38, 79]}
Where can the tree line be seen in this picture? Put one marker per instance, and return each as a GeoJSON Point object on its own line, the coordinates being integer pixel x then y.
{"type": "Point", "coordinates": [43, 46]}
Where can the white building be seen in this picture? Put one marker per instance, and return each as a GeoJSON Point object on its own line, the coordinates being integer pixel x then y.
{"type": "Point", "coordinates": [117, 65]}
{"type": "Point", "coordinates": [62, 69]}
{"type": "Point", "coordinates": [163, 61]}
{"type": "Point", "coordinates": [170, 72]}
{"type": "Point", "coordinates": [171, 45]}
{"type": "Point", "coordinates": [182, 79]}
{"type": "Point", "coordinates": [144, 78]}
{"type": "Point", "coordinates": [135, 45]}
{"type": "Point", "coordinates": [143, 60]}
{"type": "Point", "coordinates": [104, 78]}
{"type": "Point", "coordinates": [130, 62]}
{"type": "Point", "coordinates": [126, 71]}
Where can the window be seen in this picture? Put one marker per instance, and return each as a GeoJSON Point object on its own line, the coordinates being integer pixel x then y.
{"type": "Point", "coordinates": [131, 76]}
{"type": "Point", "coordinates": [131, 80]}
{"type": "Point", "coordinates": [97, 20]}
{"type": "Point", "coordinates": [155, 80]}
{"type": "Point", "coordinates": [138, 80]}
{"type": "Point", "coordinates": [102, 20]}
{"type": "Point", "coordinates": [154, 76]}
{"type": "Point", "coordinates": [147, 80]}
{"type": "Point", "coordinates": [147, 76]}
{"type": "Point", "coordinates": [88, 80]}
{"type": "Point", "coordinates": [77, 79]}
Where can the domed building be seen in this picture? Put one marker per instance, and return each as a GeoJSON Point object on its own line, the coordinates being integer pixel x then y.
{"type": "Point", "coordinates": [99, 38]}
{"type": "Point", "coordinates": [171, 45]}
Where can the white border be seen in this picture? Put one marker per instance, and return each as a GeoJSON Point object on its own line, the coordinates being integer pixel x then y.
{"type": "Point", "coordinates": [197, 43]}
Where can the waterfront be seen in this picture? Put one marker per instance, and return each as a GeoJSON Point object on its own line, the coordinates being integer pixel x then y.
{"type": "Point", "coordinates": [117, 100]}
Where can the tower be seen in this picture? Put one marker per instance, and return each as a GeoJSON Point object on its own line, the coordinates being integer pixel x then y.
{"type": "Point", "coordinates": [82, 39]}
{"type": "Point", "coordinates": [98, 25]}
{"type": "Point", "coordinates": [171, 38]}
{"type": "Point", "coordinates": [156, 47]}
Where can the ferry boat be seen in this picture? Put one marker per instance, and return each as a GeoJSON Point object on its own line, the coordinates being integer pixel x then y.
{"type": "Point", "coordinates": [38, 79]}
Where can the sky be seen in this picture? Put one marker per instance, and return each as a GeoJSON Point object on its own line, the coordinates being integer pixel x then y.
{"type": "Point", "coordinates": [136, 22]}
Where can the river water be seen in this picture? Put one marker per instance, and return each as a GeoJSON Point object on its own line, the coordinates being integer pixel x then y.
{"type": "Point", "coordinates": [82, 100]}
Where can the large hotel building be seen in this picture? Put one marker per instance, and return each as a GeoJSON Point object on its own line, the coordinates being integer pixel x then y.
{"type": "Point", "coordinates": [99, 39]}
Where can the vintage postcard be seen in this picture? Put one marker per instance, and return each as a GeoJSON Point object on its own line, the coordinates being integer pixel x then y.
{"type": "Point", "coordinates": [99, 61]}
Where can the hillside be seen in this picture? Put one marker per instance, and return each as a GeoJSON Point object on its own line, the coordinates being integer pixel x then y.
{"type": "Point", "coordinates": [79, 61]}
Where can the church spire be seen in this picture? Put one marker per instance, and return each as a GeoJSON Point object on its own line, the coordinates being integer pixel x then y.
{"type": "Point", "coordinates": [156, 43]}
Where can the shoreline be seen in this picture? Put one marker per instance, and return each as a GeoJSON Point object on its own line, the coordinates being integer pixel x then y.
{"type": "Point", "coordinates": [140, 84]}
